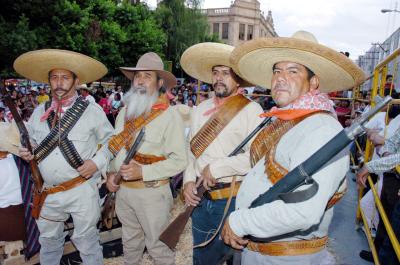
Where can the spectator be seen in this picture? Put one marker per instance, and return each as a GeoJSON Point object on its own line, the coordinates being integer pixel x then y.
{"type": "Point", "coordinates": [389, 195]}
{"type": "Point", "coordinates": [103, 102]}
{"type": "Point", "coordinates": [389, 87]}
{"type": "Point", "coordinates": [190, 103]}
{"type": "Point", "coordinates": [116, 105]}
{"type": "Point", "coordinates": [43, 97]}
{"type": "Point", "coordinates": [342, 110]}
{"type": "Point", "coordinates": [85, 93]}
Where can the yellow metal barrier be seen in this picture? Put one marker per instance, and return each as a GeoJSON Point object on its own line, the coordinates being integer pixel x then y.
{"type": "Point", "coordinates": [385, 219]}
{"type": "Point", "coordinates": [378, 84]}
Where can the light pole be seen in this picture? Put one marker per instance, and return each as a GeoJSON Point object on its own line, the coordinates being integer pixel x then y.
{"type": "Point", "coordinates": [390, 10]}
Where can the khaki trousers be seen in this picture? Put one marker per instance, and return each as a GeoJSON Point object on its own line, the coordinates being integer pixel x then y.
{"type": "Point", "coordinates": [144, 213]}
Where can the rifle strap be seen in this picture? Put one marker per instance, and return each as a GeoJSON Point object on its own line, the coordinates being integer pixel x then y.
{"type": "Point", "coordinates": [58, 135]}
{"type": "Point", "coordinates": [225, 214]}
{"type": "Point", "coordinates": [217, 122]}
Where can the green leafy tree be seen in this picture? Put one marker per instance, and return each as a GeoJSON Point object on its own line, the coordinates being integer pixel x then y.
{"type": "Point", "coordinates": [184, 25]}
{"type": "Point", "coordinates": [115, 33]}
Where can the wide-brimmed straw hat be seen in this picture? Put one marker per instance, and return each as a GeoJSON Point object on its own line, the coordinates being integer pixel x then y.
{"type": "Point", "coordinates": [36, 65]}
{"type": "Point", "coordinates": [151, 62]}
{"type": "Point", "coordinates": [199, 59]}
{"type": "Point", "coordinates": [254, 60]}
{"type": "Point", "coordinates": [9, 140]}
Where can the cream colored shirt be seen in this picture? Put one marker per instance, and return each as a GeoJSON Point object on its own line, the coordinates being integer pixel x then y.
{"type": "Point", "coordinates": [92, 129]}
{"type": "Point", "coordinates": [223, 167]}
{"type": "Point", "coordinates": [278, 218]}
{"type": "Point", "coordinates": [163, 137]}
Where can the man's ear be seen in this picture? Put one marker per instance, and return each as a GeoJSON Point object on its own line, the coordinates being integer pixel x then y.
{"type": "Point", "coordinates": [76, 82]}
{"type": "Point", "coordinates": [160, 83]}
{"type": "Point", "coordinates": [314, 83]}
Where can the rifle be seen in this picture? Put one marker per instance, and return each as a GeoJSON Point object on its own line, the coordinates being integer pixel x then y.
{"type": "Point", "coordinates": [170, 236]}
{"type": "Point", "coordinates": [301, 175]}
{"type": "Point", "coordinates": [109, 205]}
{"type": "Point", "coordinates": [24, 136]}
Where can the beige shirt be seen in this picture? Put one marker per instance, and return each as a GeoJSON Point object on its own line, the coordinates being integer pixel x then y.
{"type": "Point", "coordinates": [163, 137]}
{"type": "Point", "coordinates": [216, 155]}
{"type": "Point", "coordinates": [92, 129]}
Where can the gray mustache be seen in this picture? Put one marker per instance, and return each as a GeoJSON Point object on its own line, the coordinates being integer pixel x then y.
{"type": "Point", "coordinates": [140, 90]}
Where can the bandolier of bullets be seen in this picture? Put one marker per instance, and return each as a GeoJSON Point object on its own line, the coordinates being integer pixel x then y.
{"type": "Point", "coordinates": [59, 134]}
{"type": "Point", "coordinates": [125, 138]}
{"type": "Point", "coordinates": [216, 123]}
{"type": "Point", "coordinates": [205, 136]}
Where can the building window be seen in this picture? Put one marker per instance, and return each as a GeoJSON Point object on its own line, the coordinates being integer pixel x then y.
{"type": "Point", "coordinates": [249, 32]}
{"type": "Point", "coordinates": [241, 31]}
{"type": "Point", "coordinates": [216, 29]}
{"type": "Point", "coordinates": [225, 31]}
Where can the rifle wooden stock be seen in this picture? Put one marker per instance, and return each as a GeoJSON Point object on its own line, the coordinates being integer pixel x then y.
{"type": "Point", "coordinates": [109, 204]}
{"type": "Point", "coordinates": [170, 236]}
{"type": "Point", "coordinates": [24, 136]}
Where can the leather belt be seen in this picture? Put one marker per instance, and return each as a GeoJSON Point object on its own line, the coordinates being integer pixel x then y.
{"type": "Point", "coordinates": [289, 248]}
{"type": "Point", "coordinates": [3, 154]}
{"type": "Point", "coordinates": [147, 159]}
{"type": "Point", "coordinates": [40, 198]}
{"type": "Point", "coordinates": [67, 185]}
{"type": "Point", "coordinates": [140, 184]}
{"type": "Point", "coordinates": [223, 192]}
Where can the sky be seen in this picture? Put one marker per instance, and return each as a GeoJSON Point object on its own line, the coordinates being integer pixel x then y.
{"type": "Point", "coordinates": [344, 25]}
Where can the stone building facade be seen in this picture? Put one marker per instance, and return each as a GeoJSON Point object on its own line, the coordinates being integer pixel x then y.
{"type": "Point", "coordinates": [242, 21]}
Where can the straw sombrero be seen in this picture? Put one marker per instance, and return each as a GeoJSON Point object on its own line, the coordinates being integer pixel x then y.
{"type": "Point", "coordinates": [150, 62]}
{"type": "Point", "coordinates": [36, 65]}
{"type": "Point", "coordinates": [199, 59]}
{"type": "Point", "coordinates": [9, 141]}
{"type": "Point", "coordinates": [253, 60]}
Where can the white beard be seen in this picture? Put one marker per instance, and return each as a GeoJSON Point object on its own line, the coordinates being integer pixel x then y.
{"type": "Point", "coordinates": [138, 102]}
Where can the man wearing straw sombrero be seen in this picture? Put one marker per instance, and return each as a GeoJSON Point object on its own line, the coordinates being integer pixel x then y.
{"type": "Point", "coordinates": [144, 199]}
{"type": "Point", "coordinates": [218, 126]}
{"type": "Point", "coordinates": [299, 72]}
{"type": "Point", "coordinates": [65, 133]}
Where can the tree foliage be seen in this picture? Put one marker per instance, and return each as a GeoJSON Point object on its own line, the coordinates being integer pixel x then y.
{"type": "Point", "coordinates": [184, 25]}
{"type": "Point", "coordinates": [116, 34]}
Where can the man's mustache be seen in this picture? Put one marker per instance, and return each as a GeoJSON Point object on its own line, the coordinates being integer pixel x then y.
{"type": "Point", "coordinates": [279, 85]}
{"type": "Point", "coordinates": [60, 89]}
{"type": "Point", "coordinates": [219, 84]}
{"type": "Point", "coordinates": [139, 89]}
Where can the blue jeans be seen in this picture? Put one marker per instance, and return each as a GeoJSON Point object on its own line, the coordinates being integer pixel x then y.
{"type": "Point", "coordinates": [205, 220]}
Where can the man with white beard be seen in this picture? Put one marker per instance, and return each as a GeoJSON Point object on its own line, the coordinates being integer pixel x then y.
{"type": "Point", "coordinates": [144, 198]}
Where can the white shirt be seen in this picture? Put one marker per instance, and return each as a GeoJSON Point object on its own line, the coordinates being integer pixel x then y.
{"type": "Point", "coordinates": [278, 218]}
{"type": "Point", "coordinates": [91, 129]}
{"type": "Point", "coordinates": [10, 188]}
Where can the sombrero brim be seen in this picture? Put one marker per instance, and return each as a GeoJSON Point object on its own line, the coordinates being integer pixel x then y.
{"type": "Point", "coordinates": [169, 78]}
{"type": "Point", "coordinates": [36, 65]}
{"type": "Point", "coordinates": [10, 140]}
{"type": "Point", "coordinates": [254, 60]}
{"type": "Point", "coordinates": [198, 60]}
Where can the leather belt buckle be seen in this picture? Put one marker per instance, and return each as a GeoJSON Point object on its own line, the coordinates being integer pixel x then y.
{"type": "Point", "coordinates": [151, 184]}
